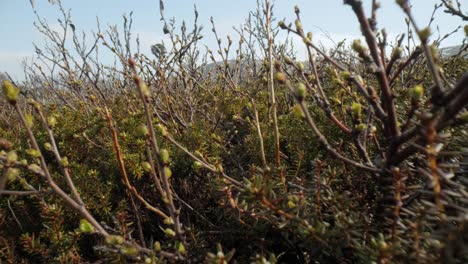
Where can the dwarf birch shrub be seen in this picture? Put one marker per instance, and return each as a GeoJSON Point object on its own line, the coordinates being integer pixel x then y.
{"type": "Point", "coordinates": [356, 154]}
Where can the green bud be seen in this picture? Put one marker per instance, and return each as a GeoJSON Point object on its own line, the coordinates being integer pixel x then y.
{"type": "Point", "coordinates": [180, 247]}
{"type": "Point", "coordinates": [167, 172]}
{"type": "Point", "coordinates": [356, 108]}
{"type": "Point", "coordinates": [35, 104]}
{"type": "Point", "coordinates": [466, 30]}
{"type": "Point", "coordinates": [309, 35]}
{"type": "Point", "coordinates": [280, 77]}
{"type": "Point", "coordinates": [11, 157]}
{"type": "Point", "coordinates": [11, 92]}
{"type": "Point", "coordinates": [11, 174]}
{"type": "Point", "coordinates": [296, 111]}
{"type": "Point", "coordinates": [306, 40]}
{"type": "Point", "coordinates": [65, 162]}
{"type": "Point", "coordinates": [282, 25]}
{"type": "Point", "coordinates": [358, 47]}
{"type": "Point", "coordinates": [144, 90]}
{"type": "Point", "coordinates": [288, 60]}
{"type": "Point", "coordinates": [146, 166]}
{"type": "Point", "coordinates": [114, 240]}
{"type": "Point", "coordinates": [47, 146]}
{"type": "Point", "coordinates": [397, 52]}
{"type": "Point", "coordinates": [168, 221]}
{"type": "Point", "coordinates": [417, 92]}
{"type": "Point", "coordinates": [197, 165]}
{"type": "Point", "coordinates": [360, 127]}
{"type": "Point", "coordinates": [51, 121]}
{"type": "Point", "coordinates": [86, 227]}
{"type": "Point", "coordinates": [345, 75]}
{"type": "Point", "coordinates": [291, 204]}
{"type": "Point", "coordinates": [129, 251]}
{"type": "Point", "coordinates": [169, 232]}
{"type": "Point", "coordinates": [142, 130]}
{"type": "Point", "coordinates": [164, 156]}
{"type": "Point", "coordinates": [33, 153]}
{"type": "Point", "coordinates": [298, 25]}
{"type": "Point", "coordinates": [301, 92]}
{"type": "Point", "coordinates": [300, 66]}
{"type": "Point", "coordinates": [219, 168]}
{"type": "Point", "coordinates": [157, 246]}
{"type": "Point", "coordinates": [198, 153]}
{"type": "Point", "coordinates": [29, 119]}
{"type": "Point", "coordinates": [162, 129]}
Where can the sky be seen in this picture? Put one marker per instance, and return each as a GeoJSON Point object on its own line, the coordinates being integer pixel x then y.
{"type": "Point", "coordinates": [319, 16]}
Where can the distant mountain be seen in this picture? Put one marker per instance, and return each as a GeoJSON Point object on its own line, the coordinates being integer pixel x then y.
{"type": "Point", "coordinates": [451, 51]}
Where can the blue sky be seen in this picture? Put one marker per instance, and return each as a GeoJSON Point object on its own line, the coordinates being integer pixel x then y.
{"type": "Point", "coordinates": [18, 32]}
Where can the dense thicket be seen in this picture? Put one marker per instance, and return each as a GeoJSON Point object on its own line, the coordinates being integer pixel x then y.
{"type": "Point", "coordinates": [241, 154]}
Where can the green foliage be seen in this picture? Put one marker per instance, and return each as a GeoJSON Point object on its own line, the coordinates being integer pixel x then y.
{"type": "Point", "coordinates": [237, 196]}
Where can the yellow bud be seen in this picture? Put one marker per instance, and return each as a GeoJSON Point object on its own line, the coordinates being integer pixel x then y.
{"type": "Point", "coordinates": [301, 92]}
{"type": "Point", "coordinates": [11, 174]}
{"type": "Point", "coordinates": [144, 89]}
{"type": "Point", "coordinates": [280, 77]}
{"type": "Point", "coordinates": [356, 108]}
{"type": "Point", "coordinates": [300, 66]}
{"type": "Point", "coordinates": [65, 162]}
{"type": "Point", "coordinates": [169, 232]}
{"type": "Point", "coordinates": [51, 121]}
{"type": "Point", "coordinates": [157, 246]}
{"type": "Point", "coordinates": [282, 25]}
{"type": "Point", "coordinates": [35, 168]}
{"type": "Point", "coordinates": [164, 156]}
{"type": "Point", "coordinates": [11, 157]}
{"type": "Point", "coordinates": [168, 221]}
{"type": "Point", "coordinates": [11, 92]}
{"type": "Point", "coordinates": [360, 127]}
{"type": "Point", "coordinates": [417, 92]}
{"type": "Point", "coordinates": [162, 129]}
{"type": "Point", "coordinates": [358, 47]}
{"type": "Point", "coordinates": [47, 146]}
{"type": "Point", "coordinates": [29, 120]}
{"type": "Point", "coordinates": [180, 247]}
{"type": "Point", "coordinates": [146, 166]}
{"type": "Point", "coordinates": [298, 25]}
{"type": "Point", "coordinates": [297, 111]}
{"type": "Point", "coordinates": [142, 130]}
{"type": "Point", "coordinates": [197, 165]}
{"type": "Point", "coordinates": [167, 172]}
{"type": "Point", "coordinates": [33, 153]}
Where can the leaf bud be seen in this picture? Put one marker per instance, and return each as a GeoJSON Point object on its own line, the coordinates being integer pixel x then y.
{"type": "Point", "coordinates": [301, 92]}
{"type": "Point", "coordinates": [11, 92]}
{"type": "Point", "coordinates": [417, 92]}
{"type": "Point", "coordinates": [86, 227]}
